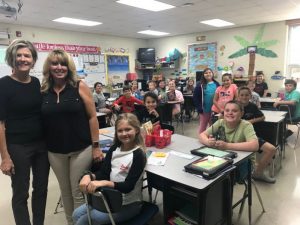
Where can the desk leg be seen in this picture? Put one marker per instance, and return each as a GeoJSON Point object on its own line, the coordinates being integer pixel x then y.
{"type": "Point", "coordinates": [249, 190]}
{"type": "Point", "coordinates": [283, 138]}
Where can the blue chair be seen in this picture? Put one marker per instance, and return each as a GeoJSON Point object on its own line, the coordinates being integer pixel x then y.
{"type": "Point", "coordinates": [109, 200]}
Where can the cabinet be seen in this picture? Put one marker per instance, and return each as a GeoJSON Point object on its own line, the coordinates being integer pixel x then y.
{"type": "Point", "coordinates": [149, 69]}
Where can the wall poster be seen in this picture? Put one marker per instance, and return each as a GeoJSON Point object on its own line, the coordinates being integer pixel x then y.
{"type": "Point", "coordinates": [201, 56]}
{"type": "Point", "coordinates": [117, 67]}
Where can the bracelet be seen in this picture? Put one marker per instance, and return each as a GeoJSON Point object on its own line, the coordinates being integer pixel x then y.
{"type": "Point", "coordinates": [95, 144]}
{"type": "Point", "coordinates": [88, 173]}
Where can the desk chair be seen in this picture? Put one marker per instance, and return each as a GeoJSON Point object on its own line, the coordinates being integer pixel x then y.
{"type": "Point", "coordinates": [290, 120]}
{"type": "Point", "coordinates": [180, 117]}
{"type": "Point", "coordinates": [242, 177]}
{"type": "Point", "coordinates": [109, 200]}
{"type": "Point", "coordinates": [59, 204]}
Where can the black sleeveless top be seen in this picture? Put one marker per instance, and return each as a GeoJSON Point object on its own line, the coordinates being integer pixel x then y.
{"type": "Point", "coordinates": [66, 123]}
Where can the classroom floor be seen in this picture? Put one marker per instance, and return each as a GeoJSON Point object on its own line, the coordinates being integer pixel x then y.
{"type": "Point", "coordinates": [281, 200]}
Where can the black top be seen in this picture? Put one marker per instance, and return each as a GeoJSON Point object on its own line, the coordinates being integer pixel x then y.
{"type": "Point", "coordinates": [251, 111]}
{"type": "Point", "coordinates": [66, 123]}
{"type": "Point", "coordinates": [145, 116]}
{"type": "Point", "coordinates": [20, 108]}
{"type": "Point", "coordinates": [260, 88]}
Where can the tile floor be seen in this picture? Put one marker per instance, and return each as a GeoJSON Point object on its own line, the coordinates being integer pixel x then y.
{"type": "Point", "coordinates": [281, 200]}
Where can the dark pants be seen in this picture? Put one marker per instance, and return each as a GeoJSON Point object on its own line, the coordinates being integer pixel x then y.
{"type": "Point", "coordinates": [24, 157]}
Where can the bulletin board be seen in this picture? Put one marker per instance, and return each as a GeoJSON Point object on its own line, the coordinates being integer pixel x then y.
{"type": "Point", "coordinates": [117, 67]}
{"type": "Point", "coordinates": [201, 56]}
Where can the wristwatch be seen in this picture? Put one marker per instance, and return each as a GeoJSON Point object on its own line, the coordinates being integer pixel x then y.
{"type": "Point", "coordinates": [95, 144]}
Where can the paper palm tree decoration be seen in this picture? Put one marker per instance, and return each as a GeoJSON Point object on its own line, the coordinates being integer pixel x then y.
{"type": "Point", "coordinates": [260, 48]}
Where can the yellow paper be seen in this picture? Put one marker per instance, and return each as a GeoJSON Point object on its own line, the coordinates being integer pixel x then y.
{"type": "Point", "coordinates": [160, 154]}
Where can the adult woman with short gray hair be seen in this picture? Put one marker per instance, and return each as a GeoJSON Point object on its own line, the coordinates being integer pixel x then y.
{"type": "Point", "coordinates": [22, 146]}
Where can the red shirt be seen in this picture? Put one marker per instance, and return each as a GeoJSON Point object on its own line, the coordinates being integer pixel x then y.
{"type": "Point", "coordinates": [127, 103]}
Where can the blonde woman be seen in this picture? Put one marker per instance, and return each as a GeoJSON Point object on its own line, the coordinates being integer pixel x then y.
{"type": "Point", "coordinates": [71, 126]}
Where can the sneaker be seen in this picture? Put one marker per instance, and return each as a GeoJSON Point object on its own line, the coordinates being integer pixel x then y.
{"type": "Point", "coordinates": [263, 177]}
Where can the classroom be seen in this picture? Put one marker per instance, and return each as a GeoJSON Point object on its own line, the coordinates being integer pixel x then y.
{"type": "Point", "coordinates": [260, 39]}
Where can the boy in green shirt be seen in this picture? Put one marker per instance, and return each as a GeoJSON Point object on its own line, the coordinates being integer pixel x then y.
{"type": "Point", "coordinates": [291, 98]}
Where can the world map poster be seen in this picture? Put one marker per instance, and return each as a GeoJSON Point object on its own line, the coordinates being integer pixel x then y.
{"type": "Point", "coordinates": [201, 56]}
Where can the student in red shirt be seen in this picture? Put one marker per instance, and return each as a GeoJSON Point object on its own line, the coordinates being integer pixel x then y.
{"type": "Point", "coordinates": [126, 101]}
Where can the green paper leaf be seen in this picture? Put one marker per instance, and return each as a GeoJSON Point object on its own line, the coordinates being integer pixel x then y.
{"type": "Point", "coordinates": [266, 44]}
{"type": "Point", "coordinates": [238, 53]}
{"type": "Point", "coordinates": [242, 41]}
{"type": "Point", "coordinates": [259, 35]}
{"type": "Point", "coordinates": [266, 53]}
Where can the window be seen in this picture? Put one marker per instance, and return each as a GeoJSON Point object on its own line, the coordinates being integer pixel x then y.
{"type": "Point", "coordinates": [293, 53]}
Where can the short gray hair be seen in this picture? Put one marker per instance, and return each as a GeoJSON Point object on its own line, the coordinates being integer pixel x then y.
{"type": "Point", "coordinates": [11, 51]}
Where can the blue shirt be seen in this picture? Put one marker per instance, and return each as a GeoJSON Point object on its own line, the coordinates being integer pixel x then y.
{"type": "Point", "coordinates": [209, 93]}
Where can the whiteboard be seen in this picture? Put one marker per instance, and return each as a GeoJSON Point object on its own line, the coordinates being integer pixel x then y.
{"type": "Point", "coordinates": [4, 68]}
{"type": "Point", "coordinates": [93, 73]}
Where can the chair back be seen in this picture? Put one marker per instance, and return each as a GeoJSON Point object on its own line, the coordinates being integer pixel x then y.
{"type": "Point", "coordinates": [290, 109]}
{"type": "Point", "coordinates": [167, 126]}
{"type": "Point", "coordinates": [165, 113]}
{"type": "Point", "coordinates": [112, 197]}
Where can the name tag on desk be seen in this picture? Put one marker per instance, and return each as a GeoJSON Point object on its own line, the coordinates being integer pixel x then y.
{"type": "Point", "coordinates": [182, 155]}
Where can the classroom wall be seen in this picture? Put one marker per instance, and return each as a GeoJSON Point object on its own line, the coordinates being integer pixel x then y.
{"type": "Point", "coordinates": [37, 34]}
{"type": "Point", "coordinates": [276, 30]}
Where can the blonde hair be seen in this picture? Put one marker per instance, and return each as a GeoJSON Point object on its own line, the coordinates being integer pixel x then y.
{"type": "Point", "coordinates": [63, 57]}
{"type": "Point", "coordinates": [11, 51]}
{"type": "Point", "coordinates": [133, 121]}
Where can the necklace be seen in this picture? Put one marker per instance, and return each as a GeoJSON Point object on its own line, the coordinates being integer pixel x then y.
{"type": "Point", "coordinates": [234, 132]}
{"type": "Point", "coordinates": [58, 89]}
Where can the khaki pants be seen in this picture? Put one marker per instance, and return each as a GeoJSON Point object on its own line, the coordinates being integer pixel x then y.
{"type": "Point", "coordinates": [68, 169]}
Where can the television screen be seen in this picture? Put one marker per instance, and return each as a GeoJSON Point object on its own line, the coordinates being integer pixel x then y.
{"type": "Point", "coordinates": [146, 55]}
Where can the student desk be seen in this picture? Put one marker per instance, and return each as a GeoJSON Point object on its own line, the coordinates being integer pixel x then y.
{"type": "Point", "coordinates": [272, 129]}
{"type": "Point", "coordinates": [211, 199]}
{"type": "Point", "coordinates": [267, 103]}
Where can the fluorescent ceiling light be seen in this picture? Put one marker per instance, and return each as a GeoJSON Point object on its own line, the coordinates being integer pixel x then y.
{"type": "Point", "coordinates": [153, 32]}
{"type": "Point", "coordinates": [151, 5]}
{"type": "Point", "coordinates": [217, 23]}
{"type": "Point", "coordinates": [77, 21]}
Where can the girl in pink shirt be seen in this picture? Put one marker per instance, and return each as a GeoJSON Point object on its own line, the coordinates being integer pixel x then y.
{"type": "Point", "coordinates": [224, 94]}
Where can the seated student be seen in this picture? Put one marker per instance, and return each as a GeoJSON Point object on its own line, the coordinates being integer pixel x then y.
{"type": "Point", "coordinates": [253, 115]}
{"type": "Point", "coordinates": [149, 113]}
{"type": "Point", "coordinates": [291, 98]}
{"type": "Point", "coordinates": [189, 88]}
{"type": "Point", "coordinates": [162, 94]}
{"type": "Point", "coordinates": [261, 87]}
{"type": "Point", "coordinates": [135, 91]}
{"type": "Point", "coordinates": [152, 87]}
{"type": "Point", "coordinates": [99, 98]}
{"type": "Point", "coordinates": [231, 133]}
{"type": "Point", "coordinates": [255, 97]}
{"type": "Point", "coordinates": [126, 101]}
{"type": "Point", "coordinates": [174, 95]}
{"type": "Point", "coordinates": [122, 170]}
